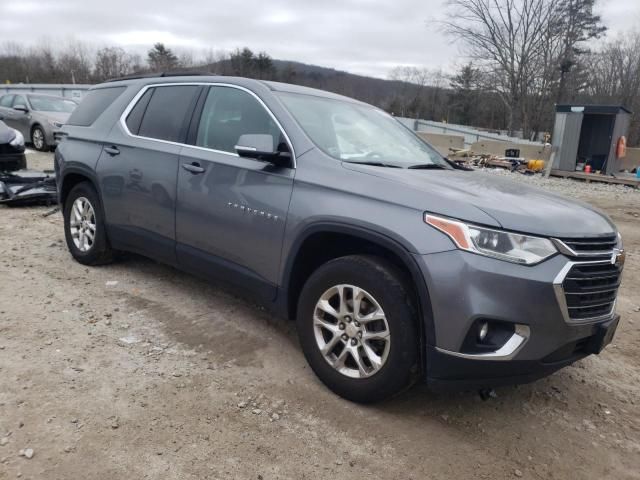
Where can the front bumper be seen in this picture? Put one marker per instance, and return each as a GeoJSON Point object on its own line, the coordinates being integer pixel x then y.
{"type": "Point", "coordinates": [464, 288]}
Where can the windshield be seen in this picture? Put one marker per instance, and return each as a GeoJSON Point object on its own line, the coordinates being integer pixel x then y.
{"type": "Point", "coordinates": [359, 133]}
{"type": "Point", "coordinates": [51, 104]}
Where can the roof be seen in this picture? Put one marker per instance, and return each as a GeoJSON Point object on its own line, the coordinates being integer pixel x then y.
{"type": "Point", "coordinates": [198, 77]}
{"type": "Point", "coordinates": [597, 109]}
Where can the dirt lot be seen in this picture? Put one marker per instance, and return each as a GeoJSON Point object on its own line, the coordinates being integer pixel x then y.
{"type": "Point", "coordinates": [136, 370]}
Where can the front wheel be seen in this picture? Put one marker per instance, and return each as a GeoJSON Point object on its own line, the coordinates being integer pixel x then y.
{"type": "Point", "coordinates": [39, 140]}
{"type": "Point", "coordinates": [357, 327]}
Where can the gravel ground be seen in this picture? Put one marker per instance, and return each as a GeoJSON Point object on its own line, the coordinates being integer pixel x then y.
{"type": "Point", "coordinates": [136, 370]}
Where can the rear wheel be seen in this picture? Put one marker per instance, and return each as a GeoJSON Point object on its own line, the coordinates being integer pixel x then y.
{"type": "Point", "coordinates": [357, 328]}
{"type": "Point", "coordinates": [84, 226]}
{"type": "Point", "coordinates": [39, 140]}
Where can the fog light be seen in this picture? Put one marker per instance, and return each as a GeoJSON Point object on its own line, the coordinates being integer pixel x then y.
{"type": "Point", "coordinates": [482, 333]}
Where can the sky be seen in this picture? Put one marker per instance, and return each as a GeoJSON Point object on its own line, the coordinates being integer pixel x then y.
{"type": "Point", "coordinates": [368, 37]}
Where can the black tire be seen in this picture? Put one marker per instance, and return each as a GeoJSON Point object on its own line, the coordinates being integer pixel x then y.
{"type": "Point", "coordinates": [41, 146]}
{"type": "Point", "coordinates": [100, 251]}
{"type": "Point", "coordinates": [385, 283]}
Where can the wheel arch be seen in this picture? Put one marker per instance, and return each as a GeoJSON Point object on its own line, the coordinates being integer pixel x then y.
{"type": "Point", "coordinates": [334, 240]}
{"type": "Point", "coordinates": [73, 176]}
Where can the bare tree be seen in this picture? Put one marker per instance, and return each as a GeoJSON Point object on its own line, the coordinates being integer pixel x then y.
{"type": "Point", "coordinates": [614, 77]}
{"type": "Point", "coordinates": [507, 39]}
{"type": "Point", "coordinates": [112, 62]}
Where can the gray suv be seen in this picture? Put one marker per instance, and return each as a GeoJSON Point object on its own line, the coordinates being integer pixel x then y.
{"type": "Point", "coordinates": [396, 264]}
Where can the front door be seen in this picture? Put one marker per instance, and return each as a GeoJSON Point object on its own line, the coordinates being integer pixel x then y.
{"type": "Point", "coordinates": [231, 211]}
{"type": "Point", "coordinates": [21, 120]}
{"type": "Point", "coordinates": [138, 168]}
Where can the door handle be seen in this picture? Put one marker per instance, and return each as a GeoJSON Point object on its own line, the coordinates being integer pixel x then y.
{"type": "Point", "coordinates": [113, 150]}
{"type": "Point", "coordinates": [193, 167]}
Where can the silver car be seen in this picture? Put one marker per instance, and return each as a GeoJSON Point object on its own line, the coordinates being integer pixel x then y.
{"type": "Point", "coordinates": [36, 116]}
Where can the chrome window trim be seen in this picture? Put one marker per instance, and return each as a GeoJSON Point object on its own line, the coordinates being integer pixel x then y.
{"type": "Point", "coordinates": [138, 96]}
{"type": "Point", "coordinates": [507, 352]}
{"type": "Point", "coordinates": [562, 301]}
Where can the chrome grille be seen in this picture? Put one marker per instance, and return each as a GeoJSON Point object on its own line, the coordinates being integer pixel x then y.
{"type": "Point", "coordinates": [590, 290]}
{"type": "Point", "coordinates": [592, 247]}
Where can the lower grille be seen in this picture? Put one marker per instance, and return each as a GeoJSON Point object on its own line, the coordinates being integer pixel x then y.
{"type": "Point", "coordinates": [590, 290]}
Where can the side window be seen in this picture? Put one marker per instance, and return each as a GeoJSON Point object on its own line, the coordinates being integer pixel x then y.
{"type": "Point", "coordinates": [164, 118]}
{"type": "Point", "coordinates": [93, 104]}
{"type": "Point", "coordinates": [134, 119]}
{"type": "Point", "coordinates": [229, 113]}
{"type": "Point", "coordinates": [6, 101]}
{"type": "Point", "coordinates": [19, 100]}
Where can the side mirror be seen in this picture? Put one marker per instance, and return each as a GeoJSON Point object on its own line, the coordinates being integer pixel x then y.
{"type": "Point", "coordinates": [260, 147]}
{"type": "Point", "coordinates": [21, 108]}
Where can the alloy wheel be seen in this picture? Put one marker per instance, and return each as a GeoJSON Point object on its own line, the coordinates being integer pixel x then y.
{"type": "Point", "coordinates": [351, 331]}
{"type": "Point", "coordinates": [82, 223]}
{"type": "Point", "coordinates": [38, 139]}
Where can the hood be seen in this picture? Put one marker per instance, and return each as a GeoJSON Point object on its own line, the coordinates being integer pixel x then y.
{"type": "Point", "coordinates": [512, 205]}
{"type": "Point", "coordinates": [61, 117]}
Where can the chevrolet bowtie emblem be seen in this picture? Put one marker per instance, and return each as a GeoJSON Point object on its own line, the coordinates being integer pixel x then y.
{"type": "Point", "coordinates": [618, 258]}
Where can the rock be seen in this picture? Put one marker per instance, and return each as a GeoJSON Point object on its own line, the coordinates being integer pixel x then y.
{"type": "Point", "coordinates": [275, 416]}
{"type": "Point", "coordinates": [256, 411]}
{"type": "Point", "coordinates": [4, 441]}
{"type": "Point", "coordinates": [26, 453]}
{"type": "Point", "coordinates": [68, 449]}
{"type": "Point", "coordinates": [130, 340]}
{"type": "Point", "coordinates": [338, 462]}
{"type": "Point", "coordinates": [242, 405]}
{"type": "Point", "coordinates": [517, 473]}
{"type": "Point", "coordinates": [115, 424]}
{"type": "Point", "coordinates": [111, 283]}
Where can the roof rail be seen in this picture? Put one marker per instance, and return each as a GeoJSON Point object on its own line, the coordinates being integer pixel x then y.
{"type": "Point", "coordinates": [175, 73]}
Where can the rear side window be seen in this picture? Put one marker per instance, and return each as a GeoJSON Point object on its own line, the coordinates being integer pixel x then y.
{"type": "Point", "coordinates": [165, 115]}
{"type": "Point", "coordinates": [134, 119]}
{"type": "Point", "coordinates": [93, 104]}
{"type": "Point", "coordinates": [6, 101]}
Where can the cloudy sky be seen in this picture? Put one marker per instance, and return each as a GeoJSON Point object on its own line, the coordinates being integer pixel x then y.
{"type": "Point", "coordinates": [360, 36]}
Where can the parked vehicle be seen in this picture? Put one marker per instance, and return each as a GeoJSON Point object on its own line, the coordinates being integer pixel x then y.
{"type": "Point", "coordinates": [396, 265]}
{"type": "Point", "coordinates": [11, 149]}
{"type": "Point", "coordinates": [37, 117]}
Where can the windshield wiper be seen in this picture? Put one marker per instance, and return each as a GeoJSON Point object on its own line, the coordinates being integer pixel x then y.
{"type": "Point", "coordinates": [428, 166]}
{"type": "Point", "coordinates": [375, 164]}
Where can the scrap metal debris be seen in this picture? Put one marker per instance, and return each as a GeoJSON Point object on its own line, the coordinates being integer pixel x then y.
{"type": "Point", "coordinates": [28, 187]}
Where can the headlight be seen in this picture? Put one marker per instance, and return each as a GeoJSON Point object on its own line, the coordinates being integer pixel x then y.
{"type": "Point", "coordinates": [499, 244]}
{"type": "Point", "coordinates": [18, 140]}
{"type": "Point", "coordinates": [55, 124]}
{"type": "Point", "coordinates": [620, 246]}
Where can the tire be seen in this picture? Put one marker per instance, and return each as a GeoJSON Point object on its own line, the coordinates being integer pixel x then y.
{"type": "Point", "coordinates": [84, 250]}
{"type": "Point", "coordinates": [377, 282]}
{"type": "Point", "coordinates": [39, 139]}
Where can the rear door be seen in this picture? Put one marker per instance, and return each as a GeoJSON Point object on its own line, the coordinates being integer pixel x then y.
{"type": "Point", "coordinates": [5, 106]}
{"type": "Point", "coordinates": [231, 211]}
{"type": "Point", "coordinates": [7, 112]}
{"type": "Point", "coordinates": [138, 170]}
